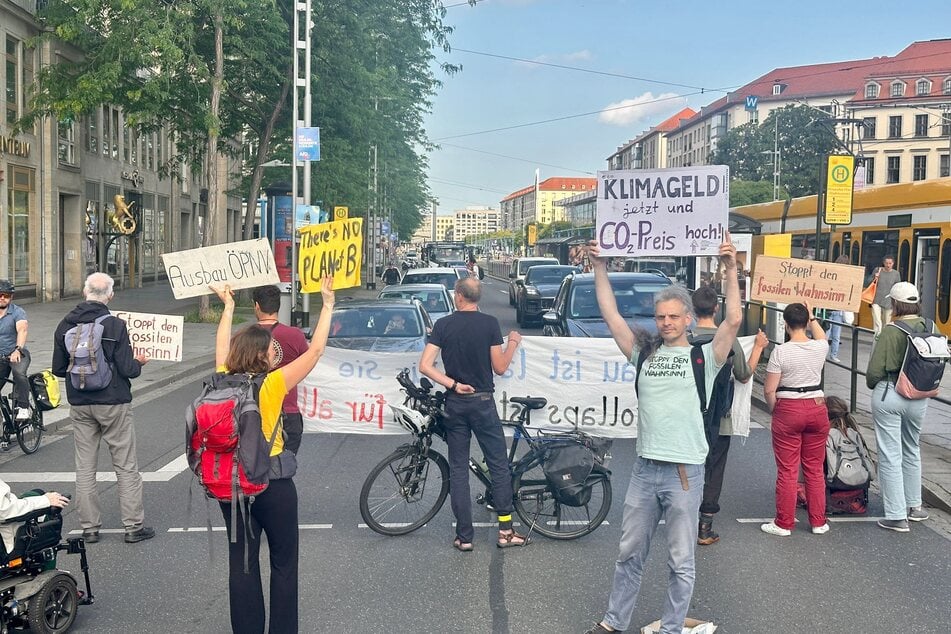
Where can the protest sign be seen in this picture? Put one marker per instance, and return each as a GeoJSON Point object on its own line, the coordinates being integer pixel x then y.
{"type": "Point", "coordinates": [822, 284]}
{"type": "Point", "coordinates": [681, 211]}
{"type": "Point", "coordinates": [241, 264]}
{"type": "Point", "coordinates": [331, 248]}
{"type": "Point", "coordinates": [159, 337]}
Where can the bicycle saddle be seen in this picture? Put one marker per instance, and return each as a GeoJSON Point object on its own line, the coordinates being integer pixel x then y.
{"type": "Point", "coordinates": [530, 402]}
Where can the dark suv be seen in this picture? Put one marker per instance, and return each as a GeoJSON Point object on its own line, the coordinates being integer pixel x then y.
{"type": "Point", "coordinates": [575, 312]}
{"type": "Point", "coordinates": [536, 293]}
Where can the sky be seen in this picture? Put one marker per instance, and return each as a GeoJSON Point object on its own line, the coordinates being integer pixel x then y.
{"type": "Point", "coordinates": [691, 50]}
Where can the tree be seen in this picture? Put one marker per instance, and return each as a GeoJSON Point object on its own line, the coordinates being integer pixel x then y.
{"type": "Point", "coordinates": [748, 149]}
{"type": "Point", "coordinates": [749, 192]}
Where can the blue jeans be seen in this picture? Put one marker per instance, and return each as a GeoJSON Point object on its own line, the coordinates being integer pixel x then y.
{"type": "Point", "coordinates": [835, 332]}
{"type": "Point", "coordinates": [467, 415]}
{"type": "Point", "coordinates": [897, 430]}
{"type": "Point", "coordinates": [656, 492]}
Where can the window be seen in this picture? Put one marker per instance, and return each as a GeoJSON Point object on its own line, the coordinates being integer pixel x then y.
{"type": "Point", "coordinates": [894, 127]}
{"type": "Point", "coordinates": [135, 147]}
{"type": "Point", "coordinates": [923, 87]}
{"type": "Point", "coordinates": [20, 205]}
{"type": "Point", "coordinates": [904, 256]}
{"type": "Point", "coordinates": [115, 133]}
{"type": "Point", "coordinates": [66, 148]}
{"type": "Point", "coordinates": [921, 125]}
{"type": "Point", "coordinates": [126, 143]}
{"type": "Point", "coordinates": [943, 166]}
{"type": "Point", "coordinates": [777, 89]}
{"type": "Point", "coordinates": [944, 290]}
{"type": "Point", "coordinates": [869, 171]}
{"type": "Point", "coordinates": [92, 133]}
{"type": "Point", "coordinates": [947, 86]}
{"type": "Point", "coordinates": [894, 167]}
{"type": "Point", "coordinates": [105, 131]}
{"type": "Point", "coordinates": [871, 91]}
{"type": "Point", "coordinates": [875, 246]}
{"type": "Point", "coordinates": [898, 88]}
{"type": "Point", "coordinates": [920, 168]}
{"type": "Point", "coordinates": [946, 124]}
{"type": "Point", "coordinates": [12, 85]}
{"type": "Point", "coordinates": [868, 127]}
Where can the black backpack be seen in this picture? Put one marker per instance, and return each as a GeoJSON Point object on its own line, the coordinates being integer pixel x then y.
{"type": "Point", "coordinates": [721, 399]}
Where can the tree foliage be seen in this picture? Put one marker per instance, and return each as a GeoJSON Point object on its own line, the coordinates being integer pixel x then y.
{"type": "Point", "coordinates": [748, 150]}
{"type": "Point", "coordinates": [749, 192]}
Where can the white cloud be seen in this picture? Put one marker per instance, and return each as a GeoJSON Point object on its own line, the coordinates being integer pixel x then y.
{"type": "Point", "coordinates": [584, 55]}
{"type": "Point", "coordinates": [642, 107]}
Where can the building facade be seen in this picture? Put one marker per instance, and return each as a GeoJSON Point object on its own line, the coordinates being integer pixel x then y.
{"type": "Point", "coordinates": [445, 226]}
{"type": "Point", "coordinates": [522, 207]}
{"type": "Point", "coordinates": [475, 221]}
{"type": "Point", "coordinates": [649, 150]}
{"type": "Point", "coordinates": [59, 184]}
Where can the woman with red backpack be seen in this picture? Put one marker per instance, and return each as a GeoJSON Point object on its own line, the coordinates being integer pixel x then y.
{"type": "Point", "coordinates": [249, 352]}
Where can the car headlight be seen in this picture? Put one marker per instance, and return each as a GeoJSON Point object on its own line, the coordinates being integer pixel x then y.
{"type": "Point", "coordinates": [532, 291]}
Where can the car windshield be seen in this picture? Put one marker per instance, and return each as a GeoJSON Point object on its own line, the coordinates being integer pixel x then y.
{"type": "Point", "coordinates": [546, 275]}
{"type": "Point", "coordinates": [376, 322]}
{"type": "Point", "coordinates": [433, 301]}
{"type": "Point", "coordinates": [446, 279]}
{"type": "Point", "coordinates": [524, 265]}
{"type": "Point", "coordinates": [635, 298]}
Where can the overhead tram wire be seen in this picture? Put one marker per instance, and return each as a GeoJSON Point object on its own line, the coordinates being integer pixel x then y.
{"type": "Point", "coordinates": [441, 181]}
{"type": "Point", "coordinates": [514, 158]}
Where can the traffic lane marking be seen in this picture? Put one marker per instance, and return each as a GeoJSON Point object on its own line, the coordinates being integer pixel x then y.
{"type": "Point", "coordinates": [202, 529]}
{"type": "Point", "coordinates": [758, 520]}
{"type": "Point", "coordinates": [163, 474]}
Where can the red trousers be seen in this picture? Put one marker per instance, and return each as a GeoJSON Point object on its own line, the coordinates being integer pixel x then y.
{"type": "Point", "coordinates": [800, 428]}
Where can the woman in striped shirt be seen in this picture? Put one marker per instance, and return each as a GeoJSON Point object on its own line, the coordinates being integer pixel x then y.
{"type": "Point", "coordinates": [800, 421]}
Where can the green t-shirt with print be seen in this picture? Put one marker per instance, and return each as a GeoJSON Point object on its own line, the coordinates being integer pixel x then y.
{"type": "Point", "coordinates": [669, 421]}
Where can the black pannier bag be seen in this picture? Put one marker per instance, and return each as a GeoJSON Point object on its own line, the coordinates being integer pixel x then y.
{"type": "Point", "coordinates": [567, 467]}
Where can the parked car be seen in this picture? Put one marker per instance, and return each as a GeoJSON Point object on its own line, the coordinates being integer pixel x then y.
{"type": "Point", "coordinates": [575, 312]}
{"type": "Point", "coordinates": [436, 275]}
{"type": "Point", "coordinates": [518, 270]}
{"type": "Point", "coordinates": [535, 294]}
{"type": "Point", "coordinates": [380, 325]}
{"type": "Point", "coordinates": [434, 297]}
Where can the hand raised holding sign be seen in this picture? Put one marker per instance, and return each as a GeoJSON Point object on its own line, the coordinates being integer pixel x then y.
{"type": "Point", "coordinates": [594, 255]}
{"type": "Point", "coordinates": [327, 290]}
{"type": "Point", "coordinates": [224, 293]}
{"type": "Point", "coordinates": [727, 252]}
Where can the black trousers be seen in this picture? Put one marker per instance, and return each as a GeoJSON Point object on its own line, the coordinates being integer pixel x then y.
{"type": "Point", "coordinates": [274, 512]}
{"type": "Point", "coordinates": [294, 431]}
{"type": "Point", "coordinates": [715, 467]}
{"type": "Point", "coordinates": [477, 415]}
{"type": "Point", "coordinates": [20, 379]}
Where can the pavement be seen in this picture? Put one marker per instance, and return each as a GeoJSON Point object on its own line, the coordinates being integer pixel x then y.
{"type": "Point", "coordinates": [198, 356]}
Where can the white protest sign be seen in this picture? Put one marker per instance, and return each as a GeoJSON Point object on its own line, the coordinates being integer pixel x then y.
{"type": "Point", "coordinates": [241, 264]}
{"type": "Point", "coordinates": [586, 381]}
{"type": "Point", "coordinates": [680, 211]}
{"type": "Point", "coordinates": [159, 337]}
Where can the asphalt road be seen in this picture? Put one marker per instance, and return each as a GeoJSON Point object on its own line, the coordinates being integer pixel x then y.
{"type": "Point", "coordinates": [856, 578]}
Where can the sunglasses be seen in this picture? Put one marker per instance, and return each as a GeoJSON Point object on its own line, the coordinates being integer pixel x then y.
{"type": "Point", "coordinates": [6, 295]}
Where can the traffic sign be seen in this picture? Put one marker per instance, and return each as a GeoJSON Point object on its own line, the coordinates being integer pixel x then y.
{"type": "Point", "coordinates": [840, 178]}
{"type": "Point", "coordinates": [341, 213]}
{"type": "Point", "coordinates": [532, 234]}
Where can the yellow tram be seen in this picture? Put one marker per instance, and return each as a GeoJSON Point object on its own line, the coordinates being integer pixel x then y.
{"type": "Point", "coordinates": [911, 222]}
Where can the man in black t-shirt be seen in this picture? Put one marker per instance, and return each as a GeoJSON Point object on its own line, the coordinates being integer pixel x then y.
{"type": "Point", "coordinates": [471, 347]}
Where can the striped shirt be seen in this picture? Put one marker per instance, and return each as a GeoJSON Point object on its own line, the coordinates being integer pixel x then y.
{"type": "Point", "coordinates": [799, 364]}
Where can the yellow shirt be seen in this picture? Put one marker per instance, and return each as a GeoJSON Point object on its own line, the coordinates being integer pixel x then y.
{"type": "Point", "coordinates": [270, 400]}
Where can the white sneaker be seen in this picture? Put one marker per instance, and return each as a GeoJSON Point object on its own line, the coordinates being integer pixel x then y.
{"type": "Point", "coordinates": [23, 414]}
{"type": "Point", "coordinates": [835, 359]}
{"type": "Point", "coordinates": [772, 529]}
{"type": "Point", "coordinates": [820, 530]}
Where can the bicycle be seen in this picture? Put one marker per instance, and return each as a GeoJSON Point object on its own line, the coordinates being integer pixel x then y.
{"type": "Point", "coordinates": [28, 432]}
{"type": "Point", "coordinates": [408, 487]}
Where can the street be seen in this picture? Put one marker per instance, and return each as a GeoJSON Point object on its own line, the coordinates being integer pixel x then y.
{"type": "Point", "coordinates": [855, 578]}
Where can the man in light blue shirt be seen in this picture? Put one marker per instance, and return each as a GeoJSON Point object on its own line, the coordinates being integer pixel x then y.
{"type": "Point", "coordinates": [13, 353]}
{"type": "Point", "coordinates": [667, 480]}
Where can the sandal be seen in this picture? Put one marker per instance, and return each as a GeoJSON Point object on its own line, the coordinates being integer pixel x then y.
{"type": "Point", "coordinates": [511, 539]}
{"type": "Point", "coordinates": [465, 547]}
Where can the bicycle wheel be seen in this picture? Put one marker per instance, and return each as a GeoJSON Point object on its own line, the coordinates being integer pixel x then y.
{"type": "Point", "coordinates": [30, 432]}
{"type": "Point", "coordinates": [541, 512]}
{"type": "Point", "coordinates": [404, 491]}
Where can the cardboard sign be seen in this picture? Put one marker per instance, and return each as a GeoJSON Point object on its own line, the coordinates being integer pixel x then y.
{"type": "Point", "coordinates": [822, 284]}
{"type": "Point", "coordinates": [241, 264]}
{"type": "Point", "coordinates": [681, 211]}
{"type": "Point", "coordinates": [332, 248]}
{"type": "Point", "coordinates": [159, 337]}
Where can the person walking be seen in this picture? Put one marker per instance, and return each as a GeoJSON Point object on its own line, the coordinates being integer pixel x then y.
{"type": "Point", "coordinates": [667, 480]}
{"type": "Point", "coordinates": [470, 343]}
{"type": "Point", "coordinates": [887, 276]}
{"type": "Point", "coordinates": [705, 303]}
{"type": "Point", "coordinates": [288, 344]}
{"type": "Point", "coordinates": [800, 422]}
{"type": "Point", "coordinates": [391, 275]}
{"type": "Point", "coordinates": [898, 419]}
{"type": "Point", "coordinates": [14, 356]}
{"type": "Point", "coordinates": [274, 510]}
{"type": "Point", "coordinates": [104, 415]}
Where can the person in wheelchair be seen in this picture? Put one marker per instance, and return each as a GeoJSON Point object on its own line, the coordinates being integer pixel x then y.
{"type": "Point", "coordinates": [12, 506]}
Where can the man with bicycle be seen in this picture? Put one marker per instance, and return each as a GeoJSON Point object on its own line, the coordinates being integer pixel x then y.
{"type": "Point", "coordinates": [667, 479]}
{"type": "Point", "coordinates": [471, 346]}
{"type": "Point", "coordinates": [13, 353]}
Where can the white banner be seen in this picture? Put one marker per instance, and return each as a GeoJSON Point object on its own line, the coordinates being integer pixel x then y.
{"type": "Point", "coordinates": [679, 211]}
{"type": "Point", "coordinates": [241, 264]}
{"type": "Point", "coordinates": [159, 337]}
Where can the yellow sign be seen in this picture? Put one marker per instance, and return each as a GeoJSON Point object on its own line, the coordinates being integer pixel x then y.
{"type": "Point", "coordinates": [822, 284]}
{"type": "Point", "coordinates": [778, 245]}
{"type": "Point", "coordinates": [840, 179]}
{"type": "Point", "coordinates": [532, 234]}
{"type": "Point", "coordinates": [331, 248]}
{"type": "Point", "coordinates": [341, 213]}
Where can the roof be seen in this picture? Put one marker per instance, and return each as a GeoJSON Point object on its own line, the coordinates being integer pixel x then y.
{"type": "Point", "coordinates": [556, 183]}
{"type": "Point", "coordinates": [929, 60]}
{"type": "Point", "coordinates": [668, 124]}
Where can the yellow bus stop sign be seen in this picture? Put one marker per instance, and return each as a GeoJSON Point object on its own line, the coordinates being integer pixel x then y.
{"type": "Point", "coordinates": [839, 183]}
{"type": "Point", "coordinates": [341, 213]}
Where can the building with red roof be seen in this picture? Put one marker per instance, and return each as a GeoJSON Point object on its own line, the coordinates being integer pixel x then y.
{"type": "Point", "coordinates": [649, 150]}
{"type": "Point", "coordinates": [522, 207]}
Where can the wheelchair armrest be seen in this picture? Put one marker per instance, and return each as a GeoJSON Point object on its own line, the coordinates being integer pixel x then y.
{"type": "Point", "coordinates": [32, 515]}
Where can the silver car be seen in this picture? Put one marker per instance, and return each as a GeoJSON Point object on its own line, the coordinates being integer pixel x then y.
{"type": "Point", "coordinates": [434, 298]}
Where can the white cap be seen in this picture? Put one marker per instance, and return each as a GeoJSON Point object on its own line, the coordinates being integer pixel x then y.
{"type": "Point", "coordinates": [905, 292]}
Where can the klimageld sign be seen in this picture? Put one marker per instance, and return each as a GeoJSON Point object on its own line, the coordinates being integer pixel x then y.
{"type": "Point", "coordinates": [681, 211]}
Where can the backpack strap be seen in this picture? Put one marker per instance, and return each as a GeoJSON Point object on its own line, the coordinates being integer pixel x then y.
{"type": "Point", "coordinates": [699, 378]}
{"type": "Point", "coordinates": [642, 355]}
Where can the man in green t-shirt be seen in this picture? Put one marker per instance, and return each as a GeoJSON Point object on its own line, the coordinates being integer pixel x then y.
{"type": "Point", "coordinates": [667, 480]}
